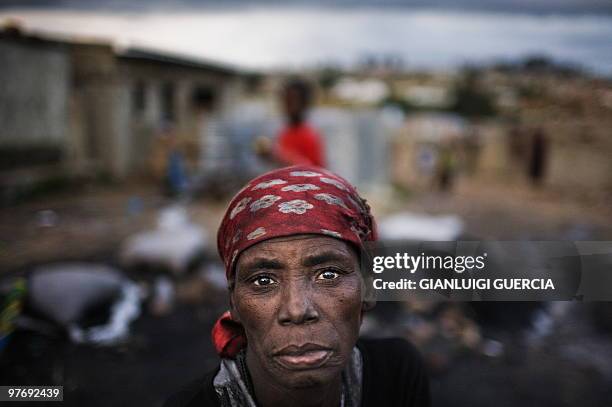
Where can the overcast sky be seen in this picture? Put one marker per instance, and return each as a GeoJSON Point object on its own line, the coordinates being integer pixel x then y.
{"type": "Point", "coordinates": [530, 6]}
{"type": "Point", "coordinates": [269, 36]}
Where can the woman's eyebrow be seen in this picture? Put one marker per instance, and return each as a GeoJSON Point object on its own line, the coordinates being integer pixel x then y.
{"type": "Point", "coordinates": [262, 263]}
{"type": "Point", "coordinates": [324, 257]}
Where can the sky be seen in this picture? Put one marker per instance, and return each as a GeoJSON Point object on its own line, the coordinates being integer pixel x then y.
{"type": "Point", "coordinates": [522, 6]}
{"type": "Point", "coordinates": [272, 36]}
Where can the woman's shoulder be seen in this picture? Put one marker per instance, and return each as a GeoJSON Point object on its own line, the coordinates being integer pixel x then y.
{"type": "Point", "coordinates": [396, 350]}
{"type": "Point", "coordinates": [394, 372]}
{"type": "Point", "coordinates": [199, 392]}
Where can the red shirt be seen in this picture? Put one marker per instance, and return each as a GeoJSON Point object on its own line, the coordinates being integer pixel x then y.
{"type": "Point", "coordinates": [300, 145]}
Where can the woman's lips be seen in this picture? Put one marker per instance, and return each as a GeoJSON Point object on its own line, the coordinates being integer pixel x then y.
{"type": "Point", "coordinates": [313, 358]}
{"type": "Point", "coordinates": [306, 357]}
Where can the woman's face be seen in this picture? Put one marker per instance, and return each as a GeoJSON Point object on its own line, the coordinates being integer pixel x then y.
{"type": "Point", "coordinates": [300, 301]}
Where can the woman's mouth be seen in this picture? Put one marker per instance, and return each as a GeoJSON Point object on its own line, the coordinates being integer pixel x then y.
{"type": "Point", "coordinates": [307, 356]}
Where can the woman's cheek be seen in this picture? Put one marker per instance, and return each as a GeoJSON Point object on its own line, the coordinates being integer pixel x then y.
{"type": "Point", "coordinates": [254, 310]}
{"type": "Point", "coordinates": [344, 301]}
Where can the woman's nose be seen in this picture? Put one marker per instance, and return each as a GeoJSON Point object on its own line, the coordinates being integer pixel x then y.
{"type": "Point", "coordinates": [297, 305]}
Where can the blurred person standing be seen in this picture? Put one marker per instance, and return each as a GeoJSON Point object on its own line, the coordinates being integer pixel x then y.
{"type": "Point", "coordinates": [167, 161]}
{"type": "Point", "coordinates": [539, 156]}
{"type": "Point", "coordinates": [298, 143]}
{"type": "Point", "coordinates": [447, 166]}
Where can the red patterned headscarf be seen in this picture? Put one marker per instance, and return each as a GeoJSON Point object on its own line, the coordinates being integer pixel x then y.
{"type": "Point", "coordinates": [284, 202]}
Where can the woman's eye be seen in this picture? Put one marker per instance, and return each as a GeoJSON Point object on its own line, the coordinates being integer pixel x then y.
{"type": "Point", "coordinates": [328, 275]}
{"type": "Point", "coordinates": [263, 281]}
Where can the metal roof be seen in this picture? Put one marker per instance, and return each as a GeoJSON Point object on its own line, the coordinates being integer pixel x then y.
{"type": "Point", "coordinates": [175, 59]}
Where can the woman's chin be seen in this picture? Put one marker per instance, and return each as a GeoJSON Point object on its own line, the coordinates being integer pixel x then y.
{"type": "Point", "coordinates": [299, 378]}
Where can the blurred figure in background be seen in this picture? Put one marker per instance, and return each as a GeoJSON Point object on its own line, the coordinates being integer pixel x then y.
{"type": "Point", "coordinates": [539, 153]}
{"type": "Point", "coordinates": [446, 166]}
{"type": "Point", "coordinates": [298, 143]}
{"type": "Point", "coordinates": [168, 161]}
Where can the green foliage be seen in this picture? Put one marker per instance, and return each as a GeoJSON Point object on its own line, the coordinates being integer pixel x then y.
{"type": "Point", "coordinates": [471, 100]}
{"type": "Point", "coordinates": [328, 77]}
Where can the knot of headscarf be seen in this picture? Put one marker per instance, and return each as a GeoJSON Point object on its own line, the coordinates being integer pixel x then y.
{"type": "Point", "coordinates": [284, 202]}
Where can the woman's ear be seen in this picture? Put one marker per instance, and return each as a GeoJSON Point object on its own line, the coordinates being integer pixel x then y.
{"type": "Point", "coordinates": [233, 313]}
{"type": "Point", "coordinates": [369, 296]}
{"type": "Point", "coordinates": [232, 308]}
{"type": "Point", "coordinates": [367, 305]}
{"type": "Point", "coordinates": [368, 299]}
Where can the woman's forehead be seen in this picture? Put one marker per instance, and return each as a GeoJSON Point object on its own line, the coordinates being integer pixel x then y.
{"type": "Point", "coordinates": [299, 245]}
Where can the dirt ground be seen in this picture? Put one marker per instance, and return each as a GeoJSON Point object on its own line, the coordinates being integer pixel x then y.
{"type": "Point", "coordinates": [87, 224]}
{"type": "Point", "coordinates": [516, 211]}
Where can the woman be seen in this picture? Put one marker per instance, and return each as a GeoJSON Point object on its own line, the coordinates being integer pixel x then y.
{"type": "Point", "coordinates": [291, 241]}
